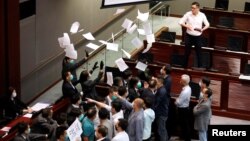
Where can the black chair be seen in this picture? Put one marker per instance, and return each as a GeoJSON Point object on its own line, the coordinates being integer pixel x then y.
{"type": "Point", "coordinates": [247, 69]}
{"type": "Point", "coordinates": [195, 88]}
{"type": "Point", "coordinates": [247, 7]}
{"type": "Point", "coordinates": [226, 22]}
{"type": "Point", "coordinates": [167, 36]}
{"type": "Point", "coordinates": [177, 60]}
{"type": "Point", "coordinates": [235, 43]}
{"type": "Point", "coordinates": [221, 4]}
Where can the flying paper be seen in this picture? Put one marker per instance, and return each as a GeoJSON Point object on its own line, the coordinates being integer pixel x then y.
{"type": "Point", "coordinates": [127, 24]}
{"type": "Point", "coordinates": [88, 36]}
{"type": "Point", "coordinates": [147, 28]}
{"type": "Point", "coordinates": [141, 66]}
{"type": "Point", "coordinates": [126, 53]}
{"type": "Point", "coordinates": [121, 64]}
{"type": "Point", "coordinates": [132, 29]}
{"type": "Point", "coordinates": [119, 11]}
{"type": "Point", "coordinates": [74, 27]}
{"type": "Point", "coordinates": [112, 46]}
{"type": "Point", "coordinates": [137, 42]}
{"type": "Point", "coordinates": [142, 16]}
{"type": "Point", "coordinates": [141, 31]}
{"type": "Point", "coordinates": [110, 78]}
{"type": "Point", "coordinates": [148, 48]}
{"type": "Point", "coordinates": [92, 46]}
{"type": "Point", "coordinates": [150, 38]}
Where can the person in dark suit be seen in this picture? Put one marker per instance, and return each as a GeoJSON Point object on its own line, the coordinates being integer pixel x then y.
{"type": "Point", "coordinates": [68, 88]}
{"type": "Point", "coordinates": [13, 106]}
{"type": "Point", "coordinates": [165, 72]}
{"type": "Point", "coordinates": [24, 133]}
{"type": "Point", "coordinates": [44, 123]}
{"type": "Point", "coordinates": [69, 64]}
{"type": "Point", "coordinates": [101, 133]}
{"type": "Point", "coordinates": [61, 134]}
{"type": "Point", "coordinates": [133, 92]}
{"type": "Point", "coordinates": [150, 91]}
{"type": "Point", "coordinates": [88, 85]}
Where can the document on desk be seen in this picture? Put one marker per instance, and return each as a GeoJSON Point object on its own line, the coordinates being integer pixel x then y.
{"type": "Point", "coordinates": [75, 130]}
{"type": "Point", "coordinates": [137, 42]}
{"type": "Point", "coordinates": [244, 77]}
{"type": "Point", "coordinates": [74, 27]}
{"type": "Point", "coordinates": [110, 78]}
{"type": "Point", "coordinates": [38, 106]}
{"type": "Point", "coordinates": [28, 115]}
{"type": "Point", "coordinates": [5, 129]}
{"type": "Point", "coordinates": [141, 66]}
{"type": "Point", "coordinates": [121, 64]}
{"type": "Point", "coordinates": [88, 36]}
{"type": "Point", "coordinates": [142, 16]}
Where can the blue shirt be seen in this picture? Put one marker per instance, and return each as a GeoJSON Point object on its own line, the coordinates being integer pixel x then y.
{"type": "Point", "coordinates": [88, 129]}
{"type": "Point", "coordinates": [183, 100]}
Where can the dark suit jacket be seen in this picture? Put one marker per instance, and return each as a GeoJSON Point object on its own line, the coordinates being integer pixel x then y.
{"type": "Point", "coordinates": [13, 107]}
{"type": "Point", "coordinates": [68, 90]}
{"type": "Point", "coordinates": [132, 94]}
{"type": "Point", "coordinates": [162, 100]}
{"type": "Point", "coordinates": [72, 68]}
{"type": "Point", "coordinates": [88, 87]}
{"type": "Point", "coordinates": [148, 93]}
{"type": "Point", "coordinates": [30, 137]}
{"type": "Point", "coordinates": [167, 83]}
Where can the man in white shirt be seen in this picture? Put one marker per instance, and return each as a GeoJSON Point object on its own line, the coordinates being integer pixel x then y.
{"type": "Point", "coordinates": [193, 21]}
{"type": "Point", "coordinates": [182, 102]}
{"type": "Point", "coordinates": [121, 126]}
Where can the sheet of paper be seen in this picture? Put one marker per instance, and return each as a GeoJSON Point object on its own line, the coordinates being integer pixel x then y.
{"type": "Point", "coordinates": [119, 11]}
{"type": "Point", "coordinates": [92, 46]}
{"type": "Point", "coordinates": [70, 47]}
{"type": "Point", "coordinates": [71, 54]}
{"type": "Point", "coordinates": [39, 106]}
{"type": "Point", "coordinates": [121, 64]}
{"type": "Point", "coordinates": [88, 36]}
{"type": "Point", "coordinates": [75, 130]}
{"type": "Point", "coordinates": [60, 40]}
{"type": "Point", "coordinates": [141, 66]}
{"type": "Point", "coordinates": [103, 42]}
{"type": "Point", "coordinates": [148, 48]}
{"type": "Point", "coordinates": [81, 30]}
{"type": "Point", "coordinates": [147, 28]}
{"type": "Point", "coordinates": [244, 77]}
{"type": "Point", "coordinates": [137, 42]}
{"type": "Point", "coordinates": [113, 37]}
{"type": "Point", "coordinates": [28, 115]}
{"type": "Point", "coordinates": [150, 38]}
{"type": "Point", "coordinates": [127, 23]}
{"type": "Point", "coordinates": [142, 16]}
{"type": "Point", "coordinates": [112, 46]}
{"type": "Point", "coordinates": [110, 78]}
{"type": "Point", "coordinates": [74, 27]}
{"type": "Point", "coordinates": [66, 39]}
{"type": "Point", "coordinates": [6, 129]}
{"type": "Point", "coordinates": [141, 31]}
{"type": "Point", "coordinates": [126, 53]}
{"type": "Point", "coordinates": [132, 29]}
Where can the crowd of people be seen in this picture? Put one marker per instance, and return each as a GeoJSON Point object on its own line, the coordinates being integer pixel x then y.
{"type": "Point", "coordinates": [136, 108]}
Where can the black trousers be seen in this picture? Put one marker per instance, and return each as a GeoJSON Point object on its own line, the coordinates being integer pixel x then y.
{"type": "Point", "coordinates": [190, 41]}
{"type": "Point", "coordinates": [184, 123]}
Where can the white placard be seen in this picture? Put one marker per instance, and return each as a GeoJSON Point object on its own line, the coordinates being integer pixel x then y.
{"type": "Point", "coordinates": [121, 64]}
{"type": "Point", "coordinates": [75, 130]}
{"type": "Point", "coordinates": [141, 66]}
{"type": "Point", "coordinates": [110, 78]}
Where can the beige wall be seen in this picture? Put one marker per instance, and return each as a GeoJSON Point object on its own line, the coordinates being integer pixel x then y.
{"type": "Point", "coordinates": [179, 7]}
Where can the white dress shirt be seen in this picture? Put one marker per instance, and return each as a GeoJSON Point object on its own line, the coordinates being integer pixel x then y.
{"type": "Point", "coordinates": [121, 136]}
{"type": "Point", "coordinates": [183, 100]}
{"type": "Point", "coordinates": [195, 21]}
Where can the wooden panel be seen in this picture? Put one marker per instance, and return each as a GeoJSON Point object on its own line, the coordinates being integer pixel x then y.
{"type": "Point", "coordinates": [216, 87]}
{"type": "Point", "coordinates": [239, 96]}
{"type": "Point", "coordinates": [2, 49]}
{"type": "Point", "coordinates": [226, 64]}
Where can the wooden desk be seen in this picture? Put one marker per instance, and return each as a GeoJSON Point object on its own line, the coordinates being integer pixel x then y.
{"type": "Point", "coordinates": [223, 61]}
{"type": "Point", "coordinates": [241, 19]}
{"type": "Point", "coordinates": [57, 108]}
{"type": "Point", "coordinates": [230, 94]}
